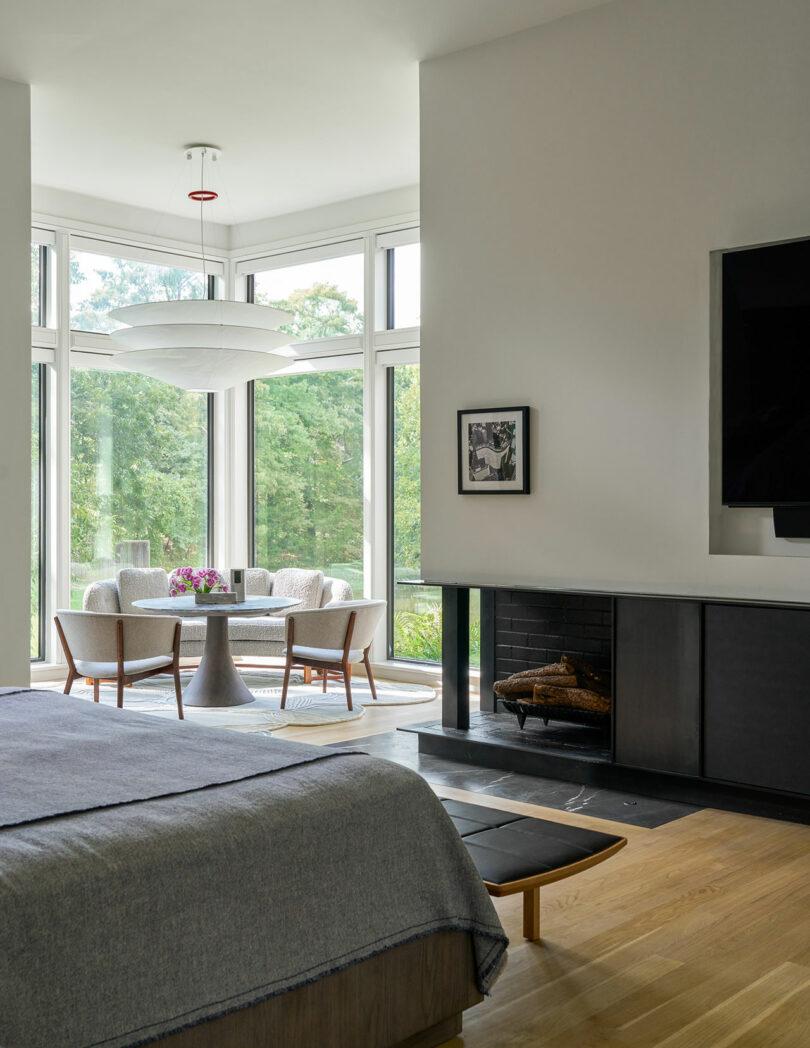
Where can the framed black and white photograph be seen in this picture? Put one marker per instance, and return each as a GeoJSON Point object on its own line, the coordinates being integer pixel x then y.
{"type": "Point", "coordinates": [493, 451]}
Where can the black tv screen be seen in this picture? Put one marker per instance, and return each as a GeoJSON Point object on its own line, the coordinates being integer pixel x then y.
{"type": "Point", "coordinates": [766, 375]}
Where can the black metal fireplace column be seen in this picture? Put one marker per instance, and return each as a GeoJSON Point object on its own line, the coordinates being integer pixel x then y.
{"type": "Point", "coordinates": [456, 655]}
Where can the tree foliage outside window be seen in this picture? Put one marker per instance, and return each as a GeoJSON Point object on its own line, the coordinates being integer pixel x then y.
{"type": "Point", "coordinates": [417, 610]}
{"type": "Point", "coordinates": [321, 311]}
{"type": "Point", "coordinates": [35, 279]}
{"type": "Point", "coordinates": [139, 471]}
{"type": "Point", "coordinates": [308, 480]}
{"type": "Point", "coordinates": [308, 449]}
{"type": "Point", "coordinates": [325, 296]}
{"type": "Point", "coordinates": [139, 447]}
{"type": "Point", "coordinates": [99, 283]}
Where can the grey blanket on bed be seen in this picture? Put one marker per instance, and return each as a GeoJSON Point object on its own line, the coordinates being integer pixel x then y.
{"type": "Point", "coordinates": [98, 757]}
{"type": "Point", "coordinates": [129, 922]}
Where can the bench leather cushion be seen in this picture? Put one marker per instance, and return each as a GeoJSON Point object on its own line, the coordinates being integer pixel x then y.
{"type": "Point", "coordinates": [507, 847]}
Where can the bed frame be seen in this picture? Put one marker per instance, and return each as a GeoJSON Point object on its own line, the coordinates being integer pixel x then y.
{"type": "Point", "coordinates": [409, 997]}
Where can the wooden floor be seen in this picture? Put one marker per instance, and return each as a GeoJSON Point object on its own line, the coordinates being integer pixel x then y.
{"type": "Point", "coordinates": [696, 935]}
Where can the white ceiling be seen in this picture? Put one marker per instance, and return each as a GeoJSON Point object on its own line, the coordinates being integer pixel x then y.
{"type": "Point", "coordinates": [312, 101]}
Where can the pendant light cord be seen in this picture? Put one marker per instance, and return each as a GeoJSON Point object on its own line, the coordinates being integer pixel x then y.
{"type": "Point", "coordinates": [202, 228]}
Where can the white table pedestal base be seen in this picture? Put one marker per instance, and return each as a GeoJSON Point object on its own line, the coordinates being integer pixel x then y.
{"type": "Point", "coordinates": [216, 681]}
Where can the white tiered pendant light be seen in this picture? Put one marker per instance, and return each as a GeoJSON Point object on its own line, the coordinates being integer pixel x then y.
{"type": "Point", "coordinates": [201, 344]}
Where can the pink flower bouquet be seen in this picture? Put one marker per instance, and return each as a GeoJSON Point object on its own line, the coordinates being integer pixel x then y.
{"type": "Point", "coordinates": [184, 581]}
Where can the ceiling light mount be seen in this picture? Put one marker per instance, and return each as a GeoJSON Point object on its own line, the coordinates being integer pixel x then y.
{"type": "Point", "coordinates": [202, 153]}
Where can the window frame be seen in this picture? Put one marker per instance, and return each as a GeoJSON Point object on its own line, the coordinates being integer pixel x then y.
{"type": "Point", "coordinates": [42, 506]}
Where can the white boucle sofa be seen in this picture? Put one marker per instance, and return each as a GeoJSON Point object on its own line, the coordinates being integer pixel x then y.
{"type": "Point", "coordinates": [261, 637]}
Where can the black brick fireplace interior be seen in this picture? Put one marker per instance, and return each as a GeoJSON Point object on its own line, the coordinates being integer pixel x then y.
{"type": "Point", "coordinates": [534, 629]}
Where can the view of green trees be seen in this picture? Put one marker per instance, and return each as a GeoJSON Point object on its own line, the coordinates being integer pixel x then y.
{"type": "Point", "coordinates": [417, 618]}
{"type": "Point", "coordinates": [118, 282]}
{"type": "Point", "coordinates": [139, 447]}
{"type": "Point", "coordinates": [308, 473]}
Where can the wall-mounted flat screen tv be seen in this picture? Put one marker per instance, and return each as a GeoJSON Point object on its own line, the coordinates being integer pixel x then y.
{"type": "Point", "coordinates": [766, 375]}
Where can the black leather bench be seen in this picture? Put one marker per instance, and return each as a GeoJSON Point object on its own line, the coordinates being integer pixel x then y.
{"type": "Point", "coordinates": [515, 853]}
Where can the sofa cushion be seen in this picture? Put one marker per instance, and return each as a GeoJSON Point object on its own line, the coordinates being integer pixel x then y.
{"type": "Point", "coordinates": [257, 581]}
{"type": "Point", "coordinates": [335, 591]}
{"type": "Point", "coordinates": [263, 629]}
{"type": "Point", "coordinates": [139, 584]}
{"type": "Point", "coordinates": [192, 629]}
{"type": "Point", "coordinates": [300, 584]}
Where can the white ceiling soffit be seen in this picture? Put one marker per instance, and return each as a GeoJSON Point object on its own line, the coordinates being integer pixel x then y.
{"type": "Point", "coordinates": [313, 101]}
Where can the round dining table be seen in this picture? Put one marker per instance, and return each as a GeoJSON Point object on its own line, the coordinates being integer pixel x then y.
{"type": "Point", "coordinates": [216, 681]}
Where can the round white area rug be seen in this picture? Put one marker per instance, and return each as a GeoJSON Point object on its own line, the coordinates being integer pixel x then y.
{"type": "Point", "coordinates": [306, 703]}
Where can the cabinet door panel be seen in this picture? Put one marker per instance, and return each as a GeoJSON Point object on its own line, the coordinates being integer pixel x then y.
{"type": "Point", "coordinates": [757, 696]}
{"type": "Point", "coordinates": [657, 684]}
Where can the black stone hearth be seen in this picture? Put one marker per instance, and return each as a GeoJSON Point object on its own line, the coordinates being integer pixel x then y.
{"type": "Point", "coordinates": [572, 740]}
{"type": "Point", "coordinates": [402, 747]}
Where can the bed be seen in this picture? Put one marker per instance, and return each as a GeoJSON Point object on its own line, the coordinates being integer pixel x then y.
{"type": "Point", "coordinates": [171, 884]}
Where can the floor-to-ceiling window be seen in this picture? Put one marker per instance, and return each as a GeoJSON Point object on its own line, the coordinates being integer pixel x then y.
{"type": "Point", "coordinates": [138, 477]}
{"type": "Point", "coordinates": [308, 473]}
{"type": "Point", "coordinates": [139, 469]}
{"type": "Point", "coordinates": [40, 297]}
{"type": "Point", "coordinates": [37, 510]}
{"type": "Point", "coordinates": [415, 612]}
{"type": "Point", "coordinates": [307, 426]}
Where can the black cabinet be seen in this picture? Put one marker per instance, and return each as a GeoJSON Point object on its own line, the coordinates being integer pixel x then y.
{"type": "Point", "coordinates": [757, 696]}
{"type": "Point", "coordinates": [657, 684]}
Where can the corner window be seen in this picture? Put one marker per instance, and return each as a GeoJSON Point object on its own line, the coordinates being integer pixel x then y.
{"type": "Point", "coordinates": [308, 473]}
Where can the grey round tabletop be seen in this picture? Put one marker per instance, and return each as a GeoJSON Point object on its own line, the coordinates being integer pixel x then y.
{"type": "Point", "coordinates": [216, 681]}
{"type": "Point", "coordinates": [186, 607]}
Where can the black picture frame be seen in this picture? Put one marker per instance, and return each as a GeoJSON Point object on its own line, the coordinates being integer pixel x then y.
{"type": "Point", "coordinates": [493, 451]}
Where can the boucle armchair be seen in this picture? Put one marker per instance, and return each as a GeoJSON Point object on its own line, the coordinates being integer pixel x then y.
{"type": "Point", "coordinates": [120, 648]}
{"type": "Point", "coordinates": [332, 640]}
{"type": "Point", "coordinates": [259, 637]}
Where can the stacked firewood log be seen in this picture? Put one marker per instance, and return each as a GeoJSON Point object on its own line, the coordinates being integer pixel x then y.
{"type": "Point", "coordinates": [570, 682]}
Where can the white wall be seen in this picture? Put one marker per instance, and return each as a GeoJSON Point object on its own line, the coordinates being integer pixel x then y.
{"type": "Point", "coordinates": [15, 388]}
{"type": "Point", "coordinates": [575, 179]}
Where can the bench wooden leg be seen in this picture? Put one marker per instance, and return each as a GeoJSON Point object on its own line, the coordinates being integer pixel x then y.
{"type": "Point", "coordinates": [531, 914]}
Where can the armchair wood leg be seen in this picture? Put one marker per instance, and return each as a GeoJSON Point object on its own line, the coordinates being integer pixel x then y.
{"type": "Point", "coordinates": [69, 683]}
{"type": "Point", "coordinates": [370, 675]}
{"type": "Point", "coordinates": [95, 690]}
{"type": "Point", "coordinates": [347, 681]}
{"type": "Point", "coordinates": [307, 674]}
{"type": "Point", "coordinates": [120, 693]}
{"type": "Point", "coordinates": [287, 681]}
{"type": "Point", "coordinates": [325, 676]}
{"type": "Point", "coordinates": [178, 692]}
